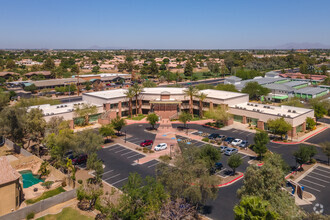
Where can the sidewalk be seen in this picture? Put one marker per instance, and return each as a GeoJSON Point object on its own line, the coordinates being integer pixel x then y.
{"type": "Point", "coordinates": [304, 137]}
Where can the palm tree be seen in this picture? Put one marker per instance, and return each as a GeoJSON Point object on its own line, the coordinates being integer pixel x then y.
{"type": "Point", "coordinates": [201, 96]}
{"type": "Point", "coordinates": [137, 89]}
{"type": "Point", "coordinates": [130, 95]}
{"type": "Point", "coordinates": [191, 92]}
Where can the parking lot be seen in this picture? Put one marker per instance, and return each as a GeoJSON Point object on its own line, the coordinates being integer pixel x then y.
{"type": "Point", "coordinates": [226, 170]}
{"type": "Point", "coordinates": [119, 162]}
{"type": "Point", "coordinates": [317, 182]}
{"type": "Point", "coordinates": [136, 133]}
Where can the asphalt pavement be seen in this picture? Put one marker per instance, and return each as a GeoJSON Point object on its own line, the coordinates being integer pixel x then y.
{"type": "Point", "coordinates": [320, 138]}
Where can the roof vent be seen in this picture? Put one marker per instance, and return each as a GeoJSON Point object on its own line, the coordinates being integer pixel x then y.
{"type": "Point", "coordinates": [57, 106]}
{"type": "Point", "coordinates": [279, 114]}
{"type": "Point", "coordinates": [52, 113]}
{"type": "Point", "coordinates": [289, 110]}
{"type": "Point", "coordinates": [256, 105]}
{"type": "Point", "coordinates": [294, 111]}
{"type": "Point", "coordinates": [254, 109]}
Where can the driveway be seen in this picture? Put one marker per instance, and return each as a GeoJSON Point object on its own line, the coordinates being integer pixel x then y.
{"type": "Point", "coordinates": [320, 138]}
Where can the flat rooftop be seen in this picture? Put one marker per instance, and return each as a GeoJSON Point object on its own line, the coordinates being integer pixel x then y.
{"type": "Point", "coordinates": [219, 94]}
{"type": "Point", "coordinates": [311, 90]}
{"type": "Point", "coordinates": [48, 109]}
{"type": "Point", "coordinates": [108, 94]}
{"type": "Point", "coordinates": [160, 90]}
{"type": "Point", "coordinates": [283, 111]}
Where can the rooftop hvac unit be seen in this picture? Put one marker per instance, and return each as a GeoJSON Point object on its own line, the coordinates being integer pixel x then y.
{"type": "Point", "coordinates": [61, 106]}
{"type": "Point", "coordinates": [52, 113]}
{"type": "Point", "coordinates": [289, 110]}
{"type": "Point", "coordinates": [254, 109]}
{"type": "Point", "coordinates": [265, 106]}
{"type": "Point", "coordinates": [65, 106]}
{"type": "Point", "coordinates": [255, 105]}
{"type": "Point", "coordinates": [47, 113]}
{"type": "Point", "coordinates": [244, 108]}
{"type": "Point", "coordinates": [57, 106]}
{"type": "Point", "coordinates": [294, 111]}
{"type": "Point", "coordinates": [279, 114]}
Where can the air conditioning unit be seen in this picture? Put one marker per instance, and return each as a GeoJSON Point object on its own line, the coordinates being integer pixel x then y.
{"type": "Point", "coordinates": [279, 114]}
{"type": "Point", "coordinates": [254, 109]}
{"type": "Point", "coordinates": [255, 105]}
{"type": "Point", "coordinates": [294, 111]}
{"type": "Point", "coordinates": [289, 110]}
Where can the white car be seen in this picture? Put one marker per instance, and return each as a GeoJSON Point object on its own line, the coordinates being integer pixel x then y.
{"type": "Point", "coordinates": [236, 142]}
{"type": "Point", "coordinates": [161, 146]}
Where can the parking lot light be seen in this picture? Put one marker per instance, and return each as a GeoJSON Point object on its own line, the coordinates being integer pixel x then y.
{"type": "Point", "coordinates": [125, 136]}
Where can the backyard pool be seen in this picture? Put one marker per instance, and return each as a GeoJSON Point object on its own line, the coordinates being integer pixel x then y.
{"type": "Point", "coordinates": [29, 179]}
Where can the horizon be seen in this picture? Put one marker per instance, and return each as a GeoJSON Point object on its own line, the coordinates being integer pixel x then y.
{"type": "Point", "coordinates": [170, 25]}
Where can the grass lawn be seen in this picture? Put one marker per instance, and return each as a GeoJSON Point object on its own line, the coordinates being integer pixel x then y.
{"type": "Point", "coordinates": [66, 214]}
{"type": "Point", "coordinates": [138, 118]}
{"type": "Point", "coordinates": [46, 195]}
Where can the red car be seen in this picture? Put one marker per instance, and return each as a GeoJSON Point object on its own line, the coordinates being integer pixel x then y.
{"type": "Point", "coordinates": [80, 159]}
{"type": "Point", "coordinates": [146, 143]}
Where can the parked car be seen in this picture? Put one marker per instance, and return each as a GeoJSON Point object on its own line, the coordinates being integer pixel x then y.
{"type": "Point", "coordinates": [213, 136]}
{"type": "Point", "coordinates": [146, 143]}
{"type": "Point", "coordinates": [161, 146]}
{"type": "Point", "coordinates": [217, 166]}
{"type": "Point", "coordinates": [80, 159]}
{"type": "Point", "coordinates": [244, 144]}
{"type": "Point", "coordinates": [221, 137]}
{"type": "Point", "coordinates": [229, 140]}
{"type": "Point", "coordinates": [236, 142]}
{"type": "Point", "coordinates": [230, 151]}
{"type": "Point", "coordinates": [223, 148]}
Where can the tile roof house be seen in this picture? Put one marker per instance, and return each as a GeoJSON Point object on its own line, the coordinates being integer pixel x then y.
{"type": "Point", "coordinates": [10, 187]}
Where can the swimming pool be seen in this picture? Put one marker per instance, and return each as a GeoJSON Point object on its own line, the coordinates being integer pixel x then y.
{"type": "Point", "coordinates": [29, 179]}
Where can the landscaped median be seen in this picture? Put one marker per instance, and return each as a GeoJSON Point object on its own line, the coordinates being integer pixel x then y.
{"type": "Point", "coordinates": [230, 180]}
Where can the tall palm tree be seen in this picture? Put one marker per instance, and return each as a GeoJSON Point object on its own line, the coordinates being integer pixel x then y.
{"type": "Point", "coordinates": [137, 89]}
{"type": "Point", "coordinates": [130, 95]}
{"type": "Point", "coordinates": [191, 92]}
{"type": "Point", "coordinates": [201, 96]}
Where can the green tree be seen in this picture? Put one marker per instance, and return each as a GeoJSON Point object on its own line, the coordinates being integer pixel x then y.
{"type": "Point", "coordinates": [13, 124]}
{"type": "Point", "coordinates": [75, 69]}
{"type": "Point", "coordinates": [253, 207]}
{"type": "Point", "coordinates": [279, 126]}
{"type": "Point", "coordinates": [210, 155]}
{"type": "Point", "coordinates": [35, 127]}
{"type": "Point", "coordinates": [326, 149]}
{"type": "Point", "coordinates": [310, 123]}
{"type": "Point", "coordinates": [304, 154]}
{"type": "Point", "coordinates": [185, 117]}
{"type": "Point", "coordinates": [303, 68]}
{"type": "Point", "coordinates": [10, 64]}
{"type": "Point", "coordinates": [234, 161]}
{"type": "Point", "coordinates": [324, 70]}
{"type": "Point", "coordinates": [130, 94]}
{"type": "Point", "coordinates": [96, 69]}
{"type": "Point", "coordinates": [255, 90]}
{"type": "Point", "coordinates": [226, 87]}
{"type": "Point", "coordinates": [266, 182]}
{"type": "Point", "coordinates": [93, 163]}
{"type": "Point", "coordinates": [188, 70]}
{"type": "Point", "coordinates": [48, 64]}
{"type": "Point", "coordinates": [43, 170]}
{"type": "Point", "coordinates": [152, 118]}
{"type": "Point", "coordinates": [201, 96]}
{"type": "Point", "coordinates": [191, 92]}
{"type": "Point", "coordinates": [89, 193]}
{"type": "Point", "coordinates": [319, 110]}
{"type": "Point", "coordinates": [219, 114]}
{"type": "Point", "coordinates": [149, 84]}
{"type": "Point", "coordinates": [193, 184]}
{"type": "Point", "coordinates": [261, 139]}
{"type": "Point", "coordinates": [4, 100]}
{"type": "Point", "coordinates": [88, 141]}
{"type": "Point", "coordinates": [84, 111]}
{"type": "Point", "coordinates": [153, 68]}
{"type": "Point", "coordinates": [137, 89]}
{"type": "Point", "coordinates": [31, 88]}
{"type": "Point", "coordinates": [118, 123]}
{"type": "Point", "coordinates": [106, 131]}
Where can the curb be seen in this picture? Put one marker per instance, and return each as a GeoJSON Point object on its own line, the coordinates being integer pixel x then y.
{"type": "Point", "coordinates": [303, 140]}
{"type": "Point", "coordinates": [232, 181]}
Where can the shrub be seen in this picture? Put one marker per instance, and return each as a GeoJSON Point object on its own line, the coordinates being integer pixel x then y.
{"type": "Point", "coordinates": [313, 160]}
{"type": "Point", "coordinates": [80, 181]}
{"type": "Point", "coordinates": [145, 150]}
{"type": "Point", "coordinates": [63, 183]}
{"type": "Point", "coordinates": [47, 184]}
{"type": "Point", "coordinates": [206, 139]}
{"type": "Point", "coordinates": [165, 158]}
{"type": "Point", "coordinates": [30, 215]}
{"type": "Point", "coordinates": [151, 151]}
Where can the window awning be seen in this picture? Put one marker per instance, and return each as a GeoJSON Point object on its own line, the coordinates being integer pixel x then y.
{"type": "Point", "coordinates": [280, 97]}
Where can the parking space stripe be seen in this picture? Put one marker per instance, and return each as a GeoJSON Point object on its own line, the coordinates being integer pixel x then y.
{"type": "Point", "coordinates": [312, 182]}
{"type": "Point", "coordinates": [107, 172]}
{"type": "Point", "coordinates": [317, 179]}
{"type": "Point", "coordinates": [119, 181]}
{"type": "Point", "coordinates": [311, 188]}
{"type": "Point", "coordinates": [135, 155]}
{"type": "Point", "coordinates": [128, 153]}
{"type": "Point", "coordinates": [153, 165]}
{"type": "Point", "coordinates": [121, 150]}
{"type": "Point", "coordinates": [114, 148]}
{"type": "Point", "coordinates": [320, 174]}
{"type": "Point", "coordinates": [111, 177]}
{"type": "Point", "coordinates": [321, 170]}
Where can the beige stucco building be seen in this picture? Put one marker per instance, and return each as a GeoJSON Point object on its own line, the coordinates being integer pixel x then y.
{"type": "Point", "coordinates": [10, 187]}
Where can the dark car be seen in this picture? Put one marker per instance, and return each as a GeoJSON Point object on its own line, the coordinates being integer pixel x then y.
{"type": "Point", "coordinates": [229, 139]}
{"type": "Point", "coordinates": [213, 136]}
{"type": "Point", "coordinates": [80, 159]}
{"type": "Point", "coordinates": [217, 166]}
{"type": "Point", "coordinates": [221, 137]}
{"type": "Point", "coordinates": [146, 143]}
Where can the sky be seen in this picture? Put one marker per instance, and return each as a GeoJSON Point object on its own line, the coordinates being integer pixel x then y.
{"type": "Point", "coordinates": [162, 24]}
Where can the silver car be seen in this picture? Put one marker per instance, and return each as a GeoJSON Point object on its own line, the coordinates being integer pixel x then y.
{"type": "Point", "coordinates": [230, 151]}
